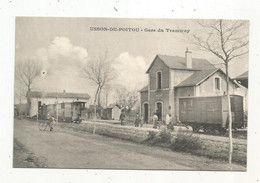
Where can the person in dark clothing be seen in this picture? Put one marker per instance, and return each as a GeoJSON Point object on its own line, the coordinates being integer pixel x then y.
{"type": "Point", "coordinates": [122, 117]}
{"type": "Point", "coordinates": [137, 120]}
{"type": "Point", "coordinates": [51, 121]}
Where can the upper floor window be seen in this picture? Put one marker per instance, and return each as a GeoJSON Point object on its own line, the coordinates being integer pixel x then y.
{"type": "Point", "coordinates": [159, 80]}
{"type": "Point", "coordinates": [217, 83]}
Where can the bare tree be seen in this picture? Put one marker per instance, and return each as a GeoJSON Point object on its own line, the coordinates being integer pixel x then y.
{"type": "Point", "coordinates": [100, 72]}
{"type": "Point", "coordinates": [20, 95]}
{"type": "Point", "coordinates": [125, 98]}
{"type": "Point", "coordinates": [20, 92]}
{"type": "Point", "coordinates": [227, 40]}
{"type": "Point", "coordinates": [26, 72]}
{"type": "Point", "coordinates": [107, 90]}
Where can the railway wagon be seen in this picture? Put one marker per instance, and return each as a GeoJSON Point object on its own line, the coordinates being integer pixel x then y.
{"type": "Point", "coordinates": [211, 113]}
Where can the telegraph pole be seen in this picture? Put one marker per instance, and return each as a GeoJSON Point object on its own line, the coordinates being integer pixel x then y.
{"type": "Point", "coordinates": [95, 118]}
{"type": "Point", "coordinates": [37, 109]}
{"type": "Point", "coordinates": [57, 111]}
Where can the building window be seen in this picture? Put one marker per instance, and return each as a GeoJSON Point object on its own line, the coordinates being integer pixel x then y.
{"type": "Point", "coordinates": [159, 80]}
{"type": "Point", "coordinates": [217, 83]}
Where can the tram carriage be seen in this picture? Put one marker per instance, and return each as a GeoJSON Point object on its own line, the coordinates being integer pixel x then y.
{"type": "Point", "coordinates": [66, 112]}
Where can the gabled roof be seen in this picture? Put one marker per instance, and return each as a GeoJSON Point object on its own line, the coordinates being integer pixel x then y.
{"type": "Point", "coordinates": [38, 94]}
{"type": "Point", "coordinates": [111, 106]}
{"type": "Point", "coordinates": [144, 89]}
{"type": "Point", "coordinates": [242, 76]}
{"type": "Point", "coordinates": [176, 62]}
{"type": "Point", "coordinates": [242, 79]}
{"type": "Point", "coordinates": [198, 77]}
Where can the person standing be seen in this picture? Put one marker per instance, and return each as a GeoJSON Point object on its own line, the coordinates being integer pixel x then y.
{"type": "Point", "coordinates": [122, 117]}
{"type": "Point", "coordinates": [167, 119]}
{"type": "Point", "coordinates": [137, 120]}
{"type": "Point", "coordinates": [141, 121]}
{"type": "Point", "coordinates": [169, 125]}
{"type": "Point", "coordinates": [155, 120]}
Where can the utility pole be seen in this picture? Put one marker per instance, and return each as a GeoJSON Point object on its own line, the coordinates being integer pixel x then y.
{"type": "Point", "coordinates": [95, 117]}
{"type": "Point", "coordinates": [37, 109]}
{"type": "Point", "coordinates": [19, 108]}
{"type": "Point", "coordinates": [57, 111]}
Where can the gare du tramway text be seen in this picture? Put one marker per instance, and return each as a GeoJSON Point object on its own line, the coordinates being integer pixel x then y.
{"type": "Point", "coordinates": [137, 29]}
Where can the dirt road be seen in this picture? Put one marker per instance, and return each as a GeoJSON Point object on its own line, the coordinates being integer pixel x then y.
{"type": "Point", "coordinates": [68, 149]}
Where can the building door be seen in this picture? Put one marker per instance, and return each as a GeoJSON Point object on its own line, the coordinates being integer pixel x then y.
{"type": "Point", "coordinates": [159, 110]}
{"type": "Point", "coordinates": [145, 112]}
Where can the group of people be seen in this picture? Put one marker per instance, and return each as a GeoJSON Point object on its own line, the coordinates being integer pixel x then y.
{"type": "Point", "coordinates": [169, 123]}
{"type": "Point", "coordinates": [139, 121]}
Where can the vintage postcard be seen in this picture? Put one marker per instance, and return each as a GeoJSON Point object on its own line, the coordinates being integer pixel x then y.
{"type": "Point", "coordinates": [131, 94]}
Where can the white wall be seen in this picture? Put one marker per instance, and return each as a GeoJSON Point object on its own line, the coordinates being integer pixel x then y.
{"type": "Point", "coordinates": [46, 101]}
{"type": "Point", "coordinates": [116, 113]}
{"type": "Point", "coordinates": [207, 88]}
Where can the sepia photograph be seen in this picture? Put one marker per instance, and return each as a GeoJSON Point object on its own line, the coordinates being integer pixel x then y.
{"type": "Point", "coordinates": [131, 93]}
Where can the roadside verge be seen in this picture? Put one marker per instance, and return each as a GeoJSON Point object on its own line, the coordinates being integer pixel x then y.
{"type": "Point", "coordinates": [196, 144]}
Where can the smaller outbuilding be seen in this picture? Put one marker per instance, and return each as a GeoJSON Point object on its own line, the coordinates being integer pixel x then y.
{"type": "Point", "coordinates": [243, 79]}
{"type": "Point", "coordinates": [112, 112]}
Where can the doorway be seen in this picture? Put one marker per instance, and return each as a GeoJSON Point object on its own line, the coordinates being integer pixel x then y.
{"type": "Point", "coordinates": [145, 112]}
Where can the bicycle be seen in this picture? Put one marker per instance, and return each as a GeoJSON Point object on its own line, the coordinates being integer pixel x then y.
{"type": "Point", "coordinates": [43, 124]}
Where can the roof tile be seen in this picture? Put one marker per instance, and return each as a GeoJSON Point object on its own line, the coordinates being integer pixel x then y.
{"type": "Point", "coordinates": [243, 76]}
{"type": "Point", "coordinates": [196, 78]}
{"type": "Point", "coordinates": [180, 62]}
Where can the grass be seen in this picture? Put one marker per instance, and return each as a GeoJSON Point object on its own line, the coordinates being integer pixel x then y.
{"type": "Point", "coordinates": [180, 141]}
{"type": "Point", "coordinates": [188, 143]}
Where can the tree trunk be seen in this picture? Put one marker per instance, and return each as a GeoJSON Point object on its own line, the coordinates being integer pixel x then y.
{"type": "Point", "coordinates": [28, 111]}
{"type": "Point", "coordinates": [106, 99]}
{"type": "Point", "coordinates": [95, 109]}
{"type": "Point", "coordinates": [99, 94]}
{"type": "Point", "coordinates": [229, 118]}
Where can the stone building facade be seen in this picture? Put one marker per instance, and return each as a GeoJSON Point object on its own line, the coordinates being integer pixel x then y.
{"type": "Point", "coordinates": [173, 77]}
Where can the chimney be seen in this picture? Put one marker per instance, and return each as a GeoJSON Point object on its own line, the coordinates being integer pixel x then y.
{"type": "Point", "coordinates": [188, 58]}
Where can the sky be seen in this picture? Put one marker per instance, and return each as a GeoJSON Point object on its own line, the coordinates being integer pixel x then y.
{"type": "Point", "coordinates": [64, 45]}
